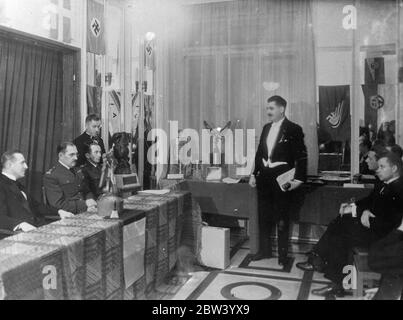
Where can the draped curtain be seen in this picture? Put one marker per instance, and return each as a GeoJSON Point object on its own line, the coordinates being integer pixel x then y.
{"type": "Point", "coordinates": [222, 61]}
{"type": "Point", "coordinates": [31, 105]}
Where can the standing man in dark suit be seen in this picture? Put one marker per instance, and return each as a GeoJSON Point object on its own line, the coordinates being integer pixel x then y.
{"type": "Point", "coordinates": [18, 211]}
{"type": "Point", "coordinates": [65, 187]}
{"type": "Point", "coordinates": [91, 135]}
{"type": "Point", "coordinates": [92, 169]}
{"type": "Point", "coordinates": [281, 148]}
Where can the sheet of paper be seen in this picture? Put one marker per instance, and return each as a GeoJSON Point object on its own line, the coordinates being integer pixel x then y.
{"type": "Point", "coordinates": [282, 179]}
{"type": "Point", "coordinates": [162, 191]}
{"type": "Point", "coordinates": [229, 180]}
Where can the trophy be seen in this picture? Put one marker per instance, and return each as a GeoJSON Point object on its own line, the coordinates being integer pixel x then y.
{"type": "Point", "coordinates": [214, 173]}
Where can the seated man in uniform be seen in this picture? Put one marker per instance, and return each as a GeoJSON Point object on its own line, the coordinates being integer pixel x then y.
{"type": "Point", "coordinates": [359, 225]}
{"type": "Point", "coordinates": [18, 211]}
{"type": "Point", "coordinates": [65, 187]}
{"type": "Point", "coordinates": [92, 169]}
{"type": "Point", "coordinates": [91, 135]}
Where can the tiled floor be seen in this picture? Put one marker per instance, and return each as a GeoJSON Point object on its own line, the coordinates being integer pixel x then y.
{"type": "Point", "coordinates": [244, 279]}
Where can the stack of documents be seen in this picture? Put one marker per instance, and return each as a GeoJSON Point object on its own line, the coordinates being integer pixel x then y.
{"type": "Point", "coordinates": [158, 192]}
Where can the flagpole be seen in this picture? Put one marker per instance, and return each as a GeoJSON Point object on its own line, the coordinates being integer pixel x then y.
{"type": "Point", "coordinates": [355, 87]}
{"type": "Point", "coordinates": [398, 114]}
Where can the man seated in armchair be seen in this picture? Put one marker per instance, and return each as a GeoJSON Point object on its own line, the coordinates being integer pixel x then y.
{"type": "Point", "coordinates": [359, 224]}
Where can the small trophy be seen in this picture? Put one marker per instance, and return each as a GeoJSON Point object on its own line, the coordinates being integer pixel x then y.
{"type": "Point", "coordinates": [214, 173]}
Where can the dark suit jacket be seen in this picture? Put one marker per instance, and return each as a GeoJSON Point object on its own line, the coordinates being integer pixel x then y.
{"type": "Point", "coordinates": [92, 176]}
{"type": "Point", "coordinates": [289, 147]}
{"type": "Point", "coordinates": [81, 141]}
{"type": "Point", "coordinates": [386, 255]}
{"type": "Point", "coordinates": [387, 206]}
{"type": "Point", "coordinates": [15, 209]}
{"type": "Point", "coordinates": [66, 190]}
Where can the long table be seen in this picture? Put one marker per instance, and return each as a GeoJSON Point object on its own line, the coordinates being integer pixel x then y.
{"type": "Point", "coordinates": [313, 204]}
{"type": "Point", "coordinates": [83, 257]}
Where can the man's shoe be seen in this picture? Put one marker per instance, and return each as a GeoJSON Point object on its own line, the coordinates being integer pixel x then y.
{"type": "Point", "coordinates": [260, 256]}
{"type": "Point", "coordinates": [329, 290]}
{"type": "Point", "coordinates": [284, 261]}
{"type": "Point", "coordinates": [306, 266]}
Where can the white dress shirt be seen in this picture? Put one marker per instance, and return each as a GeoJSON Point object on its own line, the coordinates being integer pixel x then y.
{"type": "Point", "coordinates": [271, 141]}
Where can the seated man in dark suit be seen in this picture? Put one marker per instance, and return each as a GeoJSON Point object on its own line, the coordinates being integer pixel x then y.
{"type": "Point", "coordinates": [92, 169]}
{"type": "Point", "coordinates": [18, 211]}
{"type": "Point", "coordinates": [386, 257]}
{"type": "Point", "coordinates": [359, 225]}
{"type": "Point", "coordinates": [65, 187]}
{"type": "Point", "coordinates": [91, 135]}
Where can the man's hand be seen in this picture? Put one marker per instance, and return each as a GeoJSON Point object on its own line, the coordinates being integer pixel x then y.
{"type": "Point", "coordinates": [252, 181]}
{"type": "Point", "coordinates": [91, 203]}
{"type": "Point", "coordinates": [65, 214]}
{"type": "Point", "coordinates": [345, 208]}
{"type": "Point", "coordinates": [294, 184]}
{"type": "Point", "coordinates": [92, 209]}
{"type": "Point", "coordinates": [365, 218]}
{"type": "Point", "coordinates": [25, 227]}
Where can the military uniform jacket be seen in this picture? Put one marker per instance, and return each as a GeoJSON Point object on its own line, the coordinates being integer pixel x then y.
{"type": "Point", "coordinates": [92, 176]}
{"type": "Point", "coordinates": [83, 140]}
{"type": "Point", "coordinates": [66, 189]}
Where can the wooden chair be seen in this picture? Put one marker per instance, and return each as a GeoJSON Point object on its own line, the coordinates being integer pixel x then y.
{"type": "Point", "coordinates": [364, 273]}
{"type": "Point", "coordinates": [45, 202]}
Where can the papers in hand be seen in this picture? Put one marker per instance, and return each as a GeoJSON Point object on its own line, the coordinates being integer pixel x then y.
{"type": "Point", "coordinates": [285, 178]}
{"type": "Point", "coordinates": [270, 164]}
{"type": "Point", "coordinates": [158, 192]}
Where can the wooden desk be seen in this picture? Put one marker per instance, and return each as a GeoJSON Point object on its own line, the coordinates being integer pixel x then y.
{"type": "Point", "coordinates": [321, 204]}
{"type": "Point", "coordinates": [234, 200]}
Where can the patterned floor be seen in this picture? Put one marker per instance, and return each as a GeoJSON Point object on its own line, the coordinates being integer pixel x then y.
{"type": "Point", "coordinates": [248, 280]}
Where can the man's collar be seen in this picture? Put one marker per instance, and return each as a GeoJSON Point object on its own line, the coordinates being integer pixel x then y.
{"type": "Point", "coordinates": [10, 176]}
{"type": "Point", "coordinates": [92, 137]}
{"type": "Point", "coordinates": [278, 123]}
{"type": "Point", "coordinates": [92, 163]}
{"type": "Point", "coordinates": [64, 165]}
{"type": "Point", "coordinates": [391, 180]}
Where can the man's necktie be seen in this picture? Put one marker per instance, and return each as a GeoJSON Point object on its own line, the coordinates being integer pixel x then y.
{"type": "Point", "coordinates": [21, 188]}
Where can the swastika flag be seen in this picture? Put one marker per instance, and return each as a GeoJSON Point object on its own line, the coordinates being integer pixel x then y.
{"type": "Point", "coordinates": [95, 28]}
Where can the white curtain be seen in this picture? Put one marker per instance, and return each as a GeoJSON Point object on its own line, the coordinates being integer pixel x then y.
{"type": "Point", "coordinates": [222, 61]}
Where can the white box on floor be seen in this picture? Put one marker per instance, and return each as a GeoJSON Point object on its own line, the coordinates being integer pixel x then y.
{"type": "Point", "coordinates": [215, 247]}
